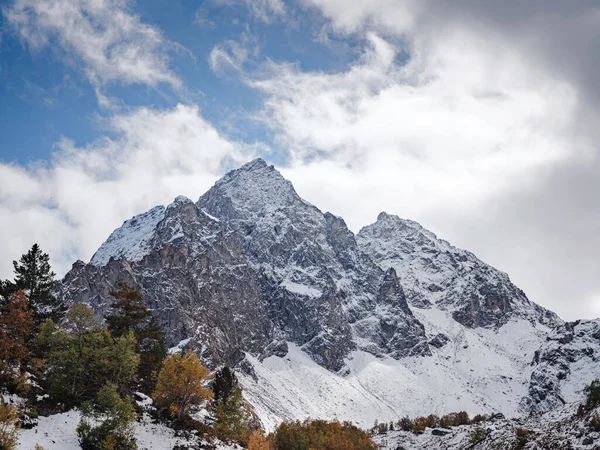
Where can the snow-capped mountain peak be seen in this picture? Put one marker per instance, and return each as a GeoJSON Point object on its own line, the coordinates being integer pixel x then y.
{"type": "Point", "coordinates": [253, 276]}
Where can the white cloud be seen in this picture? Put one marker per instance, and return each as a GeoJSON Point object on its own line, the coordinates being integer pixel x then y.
{"type": "Point", "coordinates": [111, 44]}
{"type": "Point", "coordinates": [71, 205]}
{"type": "Point", "coordinates": [455, 137]}
{"type": "Point", "coordinates": [440, 122]}
{"type": "Point", "coordinates": [229, 57]}
{"type": "Point", "coordinates": [264, 10]}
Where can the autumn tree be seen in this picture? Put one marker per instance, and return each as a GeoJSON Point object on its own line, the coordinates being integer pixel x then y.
{"type": "Point", "coordinates": [180, 385]}
{"type": "Point", "coordinates": [321, 435]}
{"type": "Point", "coordinates": [258, 441]}
{"type": "Point", "coordinates": [129, 314]}
{"type": "Point", "coordinates": [16, 327]}
{"type": "Point", "coordinates": [34, 276]}
{"type": "Point", "coordinates": [461, 418]}
{"type": "Point", "coordinates": [9, 427]}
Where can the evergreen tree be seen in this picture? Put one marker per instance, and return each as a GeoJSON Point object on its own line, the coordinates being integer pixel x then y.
{"type": "Point", "coordinates": [128, 310]}
{"type": "Point", "coordinates": [89, 359]}
{"type": "Point", "coordinates": [232, 418]}
{"type": "Point", "coordinates": [107, 423]}
{"type": "Point", "coordinates": [152, 350]}
{"type": "Point", "coordinates": [129, 314]}
{"type": "Point", "coordinates": [34, 276]}
{"type": "Point", "coordinates": [224, 384]}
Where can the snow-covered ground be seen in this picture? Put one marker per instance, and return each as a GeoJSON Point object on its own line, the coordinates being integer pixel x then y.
{"type": "Point", "coordinates": [478, 370]}
{"type": "Point", "coordinates": [57, 432]}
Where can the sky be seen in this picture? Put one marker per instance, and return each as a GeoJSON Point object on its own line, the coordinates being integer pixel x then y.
{"type": "Point", "coordinates": [476, 118]}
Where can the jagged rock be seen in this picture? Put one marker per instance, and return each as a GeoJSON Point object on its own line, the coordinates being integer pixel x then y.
{"type": "Point", "coordinates": [438, 432]}
{"type": "Point", "coordinates": [434, 272]}
{"type": "Point", "coordinates": [571, 347]}
{"type": "Point", "coordinates": [248, 267]}
{"type": "Point", "coordinates": [439, 340]}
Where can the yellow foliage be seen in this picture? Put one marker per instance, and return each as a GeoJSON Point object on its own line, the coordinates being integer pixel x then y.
{"type": "Point", "coordinates": [9, 427]}
{"type": "Point", "coordinates": [180, 384]}
{"type": "Point", "coordinates": [258, 441]}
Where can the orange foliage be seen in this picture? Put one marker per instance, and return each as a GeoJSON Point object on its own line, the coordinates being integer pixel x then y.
{"type": "Point", "coordinates": [16, 327]}
{"type": "Point", "coordinates": [258, 441]}
{"type": "Point", "coordinates": [321, 435]}
{"type": "Point", "coordinates": [180, 384]}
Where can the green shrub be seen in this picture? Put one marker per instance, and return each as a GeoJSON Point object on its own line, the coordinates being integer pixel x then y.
{"type": "Point", "coordinates": [523, 436]}
{"type": "Point", "coordinates": [478, 435]}
{"type": "Point", "coordinates": [592, 392]}
{"type": "Point", "coordinates": [595, 422]}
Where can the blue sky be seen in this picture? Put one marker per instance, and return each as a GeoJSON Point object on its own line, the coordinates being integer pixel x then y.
{"type": "Point", "coordinates": [46, 91]}
{"type": "Point", "coordinates": [477, 121]}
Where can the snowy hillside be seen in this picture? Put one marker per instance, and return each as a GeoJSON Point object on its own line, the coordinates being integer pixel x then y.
{"type": "Point", "coordinates": [478, 370]}
{"type": "Point", "coordinates": [58, 432]}
{"type": "Point", "coordinates": [560, 429]}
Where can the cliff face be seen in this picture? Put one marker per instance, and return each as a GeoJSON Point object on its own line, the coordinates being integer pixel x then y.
{"type": "Point", "coordinates": [252, 266]}
{"type": "Point", "coordinates": [436, 274]}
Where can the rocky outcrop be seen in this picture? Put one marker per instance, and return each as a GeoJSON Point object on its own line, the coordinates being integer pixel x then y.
{"type": "Point", "coordinates": [567, 362]}
{"type": "Point", "coordinates": [434, 273]}
{"type": "Point", "coordinates": [248, 267]}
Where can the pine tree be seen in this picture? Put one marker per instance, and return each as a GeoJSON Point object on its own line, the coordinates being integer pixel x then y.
{"type": "Point", "coordinates": [225, 382]}
{"type": "Point", "coordinates": [128, 313]}
{"type": "Point", "coordinates": [232, 418]}
{"type": "Point", "coordinates": [89, 359]}
{"type": "Point", "coordinates": [152, 350]}
{"type": "Point", "coordinates": [128, 310]}
{"type": "Point", "coordinates": [180, 385]}
{"type": "Point", "coordinates": [34, 276]}
{"type": "Point", "coordinates": [107, 423]}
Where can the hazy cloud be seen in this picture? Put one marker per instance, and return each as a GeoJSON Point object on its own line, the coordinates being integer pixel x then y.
{"type": "Point", "coordinates": [105, 38]}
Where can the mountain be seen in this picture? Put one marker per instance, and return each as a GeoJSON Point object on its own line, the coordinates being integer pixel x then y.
{"type": "Point", "coordinates": [320, 322]}
{"type": "Point", "coordinates": [436, 274]}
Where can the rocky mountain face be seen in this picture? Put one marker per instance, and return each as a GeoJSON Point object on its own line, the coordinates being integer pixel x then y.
{"type": "Point", "coordinates": [434, 273]}
{"type": "Point", "coordinates": [250, 267]}
{"type": "Point", "coordinates": [564, 365]}
{"type": "Point", "coordinates": [394, 319]}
